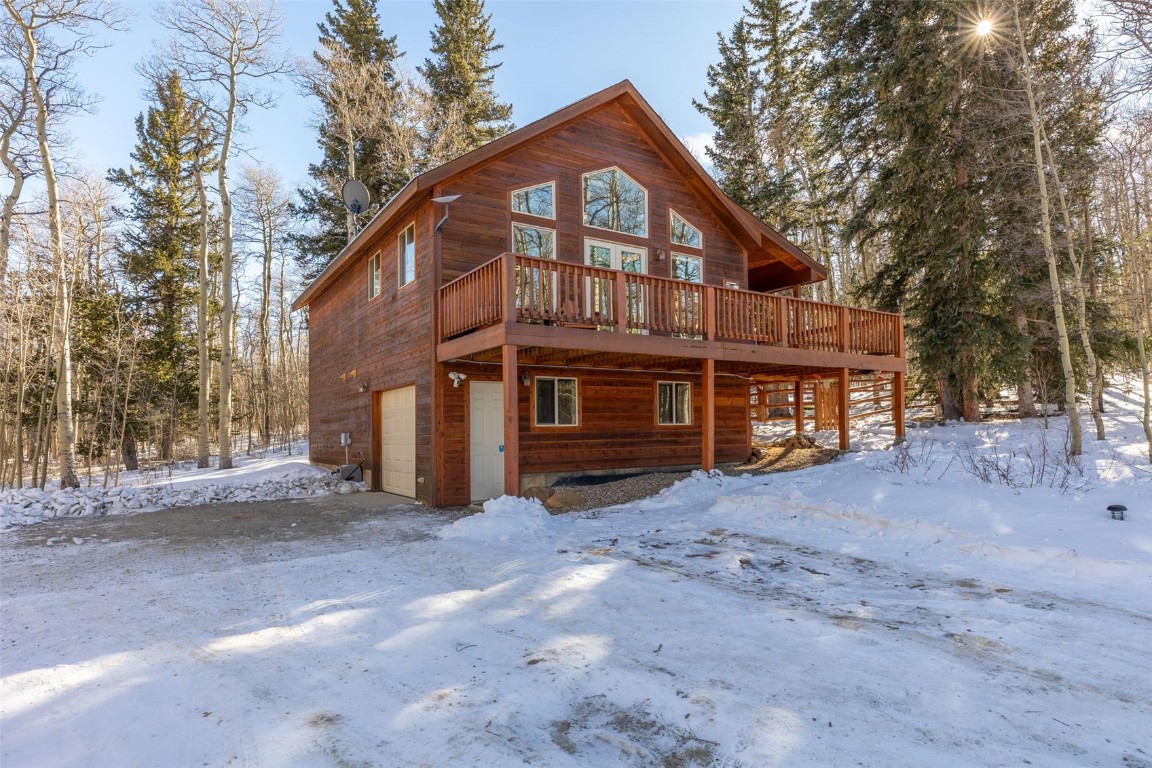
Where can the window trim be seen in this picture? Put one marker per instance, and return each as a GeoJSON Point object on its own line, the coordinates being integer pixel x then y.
{"type": "Point", "coordinates": [400, 255]}
{"type": "Point", "coordinates": [512, 197]}
{"type": "Point", "coordinates": [696, 257]}
{"type": "Point", "coordinates": [535, 416]}
{"type": "Point", "coordinates": [375, 276]}
{"type": "Point", "coordinates": [512, 242]}
{"type": "Point", "coordinates": [673, 212]}
{"type": "Point", "coordinates": [673, 383]}
{"type": "Point", "coordinates": [647, 207]}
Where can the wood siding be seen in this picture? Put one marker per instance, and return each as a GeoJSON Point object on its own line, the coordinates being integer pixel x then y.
{"type": "Point", "coordinates": [617, 428]}
{"type": "Point", "coordinates": [386, 341]}
{"type": "Point", "coordinates": [480, 225]}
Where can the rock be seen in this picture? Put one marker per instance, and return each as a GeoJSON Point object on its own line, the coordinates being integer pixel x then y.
{"type": "Point", "coordinates": [564, 499]}
{"type": "Point", "coordinates": [539, 492]}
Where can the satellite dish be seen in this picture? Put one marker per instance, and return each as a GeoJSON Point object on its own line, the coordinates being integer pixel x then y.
{"type": "Point", "coordinates": [356, 197]}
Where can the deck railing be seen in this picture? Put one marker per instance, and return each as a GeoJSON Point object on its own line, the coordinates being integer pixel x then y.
{"type": "Point", "coordinates": [560, 293]}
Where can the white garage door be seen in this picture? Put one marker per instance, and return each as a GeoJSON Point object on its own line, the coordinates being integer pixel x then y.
{"type": "Point", "coordinates": [398, 441]}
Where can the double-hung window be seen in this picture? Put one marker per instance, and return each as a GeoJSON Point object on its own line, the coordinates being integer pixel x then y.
{"type": "Point", "coordinates": [406, 255]}
{"type": "Point", "coordinates": [673, 402]}
{"type": "Point", "coordinates": [556, 403]}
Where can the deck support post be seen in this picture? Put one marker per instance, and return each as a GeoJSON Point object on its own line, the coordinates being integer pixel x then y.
{"type": "Point", "coordinates": [842, 408]}
{"type": "Point", "coordinates": [798, 405]}
{"type": "Point", "coordinates": [898, 404]}
{"type": "Point", "coordinates": [708, 427]}
{"type": "Point", "coordinates": [511, 422]}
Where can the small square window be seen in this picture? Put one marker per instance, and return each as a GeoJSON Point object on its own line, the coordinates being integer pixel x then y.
{"type": "Point", "coordinates": [406, 251]}
{"type": "Point", "coordinates": [556, 404]}
{"type": "Point", "coordinates": [374, 276]}
{"type": "Point", "coordinates": [536, 201]}
{"type": "Point", "coordinates": [673, 402]}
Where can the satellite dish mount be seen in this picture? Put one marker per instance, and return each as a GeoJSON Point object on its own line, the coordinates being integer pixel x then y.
{"type": "Point", "coordinates": [356, 197]}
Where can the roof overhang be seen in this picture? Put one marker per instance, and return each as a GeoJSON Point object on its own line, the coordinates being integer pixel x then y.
{"type": "Point", "coordinates": [773, 262]}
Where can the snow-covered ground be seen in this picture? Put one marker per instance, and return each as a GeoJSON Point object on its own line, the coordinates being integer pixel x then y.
{"type": "Point", "coordinates": [888, 609]}
{"type": "Point", "coordinates": [277, 476]}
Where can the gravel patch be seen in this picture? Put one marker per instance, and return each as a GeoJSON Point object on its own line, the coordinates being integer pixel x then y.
{"type": "Point", "coordinates": [772, 458]}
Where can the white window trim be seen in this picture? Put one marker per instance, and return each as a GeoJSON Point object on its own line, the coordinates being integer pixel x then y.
{"type": "Point", "coordinates": [695, 256]}
{"type": "Point", "coordinates": [515, 224]}
{"type": "Point", "coordinates": [512, 196]}
{"type": "Point", "coordinates": [673, 212]}
{"type": "Point", "coordinates": [674, 423]}
{"type": "Point", "coordinates": [375, 275]}
{"type": "Point", "coordinates": [400, 256]}
{"type": "Point", "coordinates": [617, 262]}
{"type": "Point", "coordinates": [556, 404]}
{"type": "Point", "coordinates": [647, 198]}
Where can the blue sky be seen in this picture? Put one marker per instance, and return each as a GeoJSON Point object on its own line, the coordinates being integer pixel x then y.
{"type": "Point", "coordinates": [555, 52]}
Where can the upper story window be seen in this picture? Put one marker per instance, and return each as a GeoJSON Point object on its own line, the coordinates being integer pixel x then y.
{"type": "Point", "coordinates": [374, 275]}
{"type": "Point", "coordinates": [406, 255]}
{"type": "Point", "coordinates": [684, 233]}
{"type": "Point", "coordinates": [533, 241]}
{"type": "Point", "coordinates": [536, 201]}
{"type": "Point", "coordinates": [685, 267]}
{"type": "Point", "coordinates": [614, 201]}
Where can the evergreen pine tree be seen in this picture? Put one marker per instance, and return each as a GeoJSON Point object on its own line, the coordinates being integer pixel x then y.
{"type": "Point", "coordinates": [158, 252]}
{"type": "Point", "coordinates": [350, 32]}
{"type": "Point", "coordinates": [736, 107]}
{"type": "Point", "coordinates": [461, 77]}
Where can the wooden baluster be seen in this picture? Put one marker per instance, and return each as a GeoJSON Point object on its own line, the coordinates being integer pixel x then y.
{"type": "Point", "coordinates": [620, 303]}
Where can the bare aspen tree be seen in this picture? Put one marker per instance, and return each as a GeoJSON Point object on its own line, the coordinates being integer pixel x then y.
{"type": "Point", "coordinates": [53, 33]}
{"type": "Point", "coordinates": [1036, 121]}
{"type": "Point", "coordinates": [264, 204]}
{"type": "Point", "coordinates": [358, 101]}
{"type": "Point", "coordinates": [223, 49]}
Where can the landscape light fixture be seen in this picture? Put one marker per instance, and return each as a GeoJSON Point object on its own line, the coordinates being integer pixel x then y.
{"type": "Point", "coordinates": [446, 200]}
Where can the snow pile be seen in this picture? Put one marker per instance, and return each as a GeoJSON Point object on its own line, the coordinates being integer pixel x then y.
{"type": "Point", "coordinates": [501, 520]}
{"type": "Point", "coordinates": [25, 506]}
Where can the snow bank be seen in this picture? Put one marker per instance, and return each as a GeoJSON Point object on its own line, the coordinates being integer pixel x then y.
{"type": "Point", "coordinates": [501, 520]}
{"type": "Point", "coordinates": [24, 506]}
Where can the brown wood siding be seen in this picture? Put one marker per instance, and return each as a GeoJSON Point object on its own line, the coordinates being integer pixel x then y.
{"type": "Point", "coordinates": [618, 424]}
{"type": "Point", "coordinates": [387, 341]}
{"type": "Point", "coordinates": [481, 220]}
{"type": "Point", "coordinates": [617, 427]}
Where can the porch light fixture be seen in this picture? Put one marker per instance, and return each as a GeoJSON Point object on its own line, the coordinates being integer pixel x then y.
{"type": "Point", "coordinates": [446, 200]}
{"type": "Point", "coordinates": [525, 379]}
{"type": "Point", "coordinates": [457, 378]}
{"type": "Point", "coordinates": [364, 387]}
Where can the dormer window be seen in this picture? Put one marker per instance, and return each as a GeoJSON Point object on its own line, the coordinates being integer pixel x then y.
{"type": "Point", "coordinates": [614, 201]}
{"type": "Point", "coordinates": [536, 201]}
{"type": "Point", "coordinates": [684, 233]}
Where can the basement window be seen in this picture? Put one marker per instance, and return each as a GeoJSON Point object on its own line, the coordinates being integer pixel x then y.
{"type": "Point", "coordinates": [673, 402]}
{"type": "Point", "coordinates": [556, 404]}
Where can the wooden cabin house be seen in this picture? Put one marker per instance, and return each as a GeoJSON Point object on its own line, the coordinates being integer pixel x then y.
{"type": "Point", "coordinates": [576, 297]}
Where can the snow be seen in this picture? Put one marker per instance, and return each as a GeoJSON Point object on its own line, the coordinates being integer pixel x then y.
{"type": "Point", "coordinates": [888, 609]}
{"type": "Point", "coordinates": [278, 476]}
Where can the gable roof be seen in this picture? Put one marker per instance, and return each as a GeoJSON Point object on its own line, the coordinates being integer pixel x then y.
{"type": "Point", "coordinates": [773, 261]}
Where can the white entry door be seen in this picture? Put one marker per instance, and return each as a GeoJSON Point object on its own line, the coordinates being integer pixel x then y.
{"type": "Point", "coordinates": [486, 438]}
{"type": "Point", "coordinates": [398, 441]}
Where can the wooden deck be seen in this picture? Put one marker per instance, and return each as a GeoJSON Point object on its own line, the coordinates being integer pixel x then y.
{"type": "Point", "coordinates": [527, 301]}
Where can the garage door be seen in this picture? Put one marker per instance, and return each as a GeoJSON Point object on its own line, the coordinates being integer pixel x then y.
{"type": "Point", "coordinates": [398, 441]}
